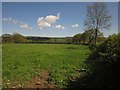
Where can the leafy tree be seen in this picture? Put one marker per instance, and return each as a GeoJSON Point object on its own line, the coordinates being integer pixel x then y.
{"type": "Point", "coordinates": [77, 38]}
{"type": "Point", "coordinates": [98, 18]}
{"type": "Point", "coordinates": [90, 35]}
{"type": "Point", "coordinates": [0, 39]}
{"type": "Point", "coordinates": [18, 38]}
{"type": "Point", "coordinates": [7, 38]}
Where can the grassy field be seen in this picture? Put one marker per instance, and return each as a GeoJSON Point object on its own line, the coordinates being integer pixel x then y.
{"type": "Point", "coordinates": [21, 62]}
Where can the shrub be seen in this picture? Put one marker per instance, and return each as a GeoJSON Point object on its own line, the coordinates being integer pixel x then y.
{"type": "Point", "coordinates": [105, 63]}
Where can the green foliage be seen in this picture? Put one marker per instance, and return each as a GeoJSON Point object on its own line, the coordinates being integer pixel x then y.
{"type": "Point", "coordinates": [88, 37]}
{"type": "Point", "coordinates": [21, 62]}
{"type": "Point", "coordinates": [7, 38]}
{"type": "Point", "coordinates": [109, 50]}
{"type": "Point", "coordinates": [15, 38]}
{"type": "Point", "coordinates": [104, 63]}
{"type": "Point", "coordinates": [19, 38]}
{"type": "Point", "coordinates": [77, 38]}
{"type": "Point", "coordinates": [102, 66]}
{"type": "Point", "coordinates": [98, 18]}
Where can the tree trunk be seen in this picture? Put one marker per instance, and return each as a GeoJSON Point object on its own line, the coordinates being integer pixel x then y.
{"type": "Point", "coordinates": [96, 36]}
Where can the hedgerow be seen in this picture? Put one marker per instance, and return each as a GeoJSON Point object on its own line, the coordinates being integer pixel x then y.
{"type": "Point", "coordinates": [104, 63]}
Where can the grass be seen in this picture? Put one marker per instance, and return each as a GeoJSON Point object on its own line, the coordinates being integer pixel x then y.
{"type": "Point", "coordinates": [21, 62]}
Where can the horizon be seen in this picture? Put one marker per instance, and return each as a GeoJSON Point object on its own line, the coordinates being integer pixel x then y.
{"type": "Point", "coordinates": [46, 36]}
{"type": "Point", "coordinates": [58, 19]}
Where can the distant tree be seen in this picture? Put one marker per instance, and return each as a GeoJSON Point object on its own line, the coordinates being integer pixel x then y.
{"type": "Point", "coordinates": [18, 38]}
{"type": "Point", "coordinates": [98, 18]}
{"type": "Point", "coordinates": [68, 40]}
{"type": "Point", "coordinates": [0, 39]}
{"type": "Point", "coordinates": [83, 38]}
{"type": "Point", "coordinates": [77, 38]}
{"type": "Point", "coordinates": [7, 38]}
{"type": "Point", "coordinates": [90, 35]}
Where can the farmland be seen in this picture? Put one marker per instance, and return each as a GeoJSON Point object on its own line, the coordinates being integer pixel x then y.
{"type": "Point", "coordinates": [21, 62]}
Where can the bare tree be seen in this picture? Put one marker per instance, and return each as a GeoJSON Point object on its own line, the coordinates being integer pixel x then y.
{"type": "Point", "coordinates": [98, 17]}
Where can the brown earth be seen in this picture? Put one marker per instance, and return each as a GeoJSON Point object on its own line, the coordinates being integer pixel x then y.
{"type": "Point", "coordinates": [40, 81]}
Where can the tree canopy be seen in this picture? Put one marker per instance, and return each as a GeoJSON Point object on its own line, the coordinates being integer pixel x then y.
{"type": "Point", "coordinates": [98, 18]}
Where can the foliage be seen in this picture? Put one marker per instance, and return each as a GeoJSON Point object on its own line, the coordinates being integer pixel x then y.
{"type": "Point", "coordinates": [98, 18]}
{"type": "Point", "coordinates": [104, 63]}
{"type": "Point", "coordinates": [109, 49]}
{"type": "Point", "coordinates": [19, 38]}
{"type": "Point", "coordinates": [7, 38]}
{"type": "Point", "coordinates": [88, 37]}
{"type": "Point", "coordinates": [77, 38]}
{"type": "Point", "coordinates": [15, 38]}
{"type": "Point", "coordinates": [50, 40]}
{"type": "Point", "coordinates": [102, 66]}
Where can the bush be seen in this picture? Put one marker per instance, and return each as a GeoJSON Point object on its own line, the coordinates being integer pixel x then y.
{"type": "Point", "coordinates": [109, 51]}
{"type": "Point", "coordinates": [104, 63]}
{"type": "Point", "coordinates": [15, 38]}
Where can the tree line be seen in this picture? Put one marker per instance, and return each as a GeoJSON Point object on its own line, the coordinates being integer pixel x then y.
{"type": "Point", "coordinates": [88, 37]}
{"type": "Point", "coordinates": [18, 38]}
{"type": "Point", "coordinates": [84, 38]}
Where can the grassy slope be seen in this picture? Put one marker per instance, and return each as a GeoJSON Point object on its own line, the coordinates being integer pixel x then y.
{"type": "Point", "coordinates": [23, 61]}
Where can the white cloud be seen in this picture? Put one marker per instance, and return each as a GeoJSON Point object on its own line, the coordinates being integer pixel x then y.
{"type": "Point", "coordinates": [11, 20]}
{"type": "Point", "coordinates": [52, 19]}
{"type": "Point", "coordinates": [25, 26]}
{"type": "Point", "coordinates": [22, 25]}
{"type": "Point", "coordinates": [60, 27]}
{"type": "Point", "coordinates": [75, 25]}
{"type": "Point", "coordinates": [42, 23]}
{"type": "Point", "coordinates": [47, 21]}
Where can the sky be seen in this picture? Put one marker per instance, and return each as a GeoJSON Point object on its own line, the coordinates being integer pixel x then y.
{"type": "Point", "coordinates": [60, 0]}
{"type": "Point", "coordinates": [51, 19]}
{"type": "Point", "coordinates": [0, 18]}
{"type": "Point", "coordinates": [119, 17]}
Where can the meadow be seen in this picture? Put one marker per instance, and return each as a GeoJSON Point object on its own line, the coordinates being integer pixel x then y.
{"type": "Point", "coordinates": [21, 62]}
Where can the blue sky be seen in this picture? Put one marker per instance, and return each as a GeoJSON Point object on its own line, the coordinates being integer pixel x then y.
{"type": "Point", "coordinates": [0, 18]}
{"type": "Point", "coordinates": [60, 0]}
{"type": "Point", "coordinates": [119, 17]}
{"type": "Point", "coordinates": [34, 18]}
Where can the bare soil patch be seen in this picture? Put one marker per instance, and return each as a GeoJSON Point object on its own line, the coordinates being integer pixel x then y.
{"type": "Point", "coordinates": [40, 81]}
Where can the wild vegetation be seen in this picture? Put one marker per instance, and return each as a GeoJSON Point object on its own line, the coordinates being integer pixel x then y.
{"type": "Point", "coordinates": [102, 66]}
{"type": "Point", "coordinates": [87, 60]}
{"type": "Point", "coordinates": [88, 37]}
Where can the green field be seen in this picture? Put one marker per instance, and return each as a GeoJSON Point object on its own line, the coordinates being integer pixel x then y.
{"type": "Point", "coordinates": [21, 62]}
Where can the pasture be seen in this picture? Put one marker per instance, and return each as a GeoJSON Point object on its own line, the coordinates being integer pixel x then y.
{"type": "Point", "coordinates": [21, 62]}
